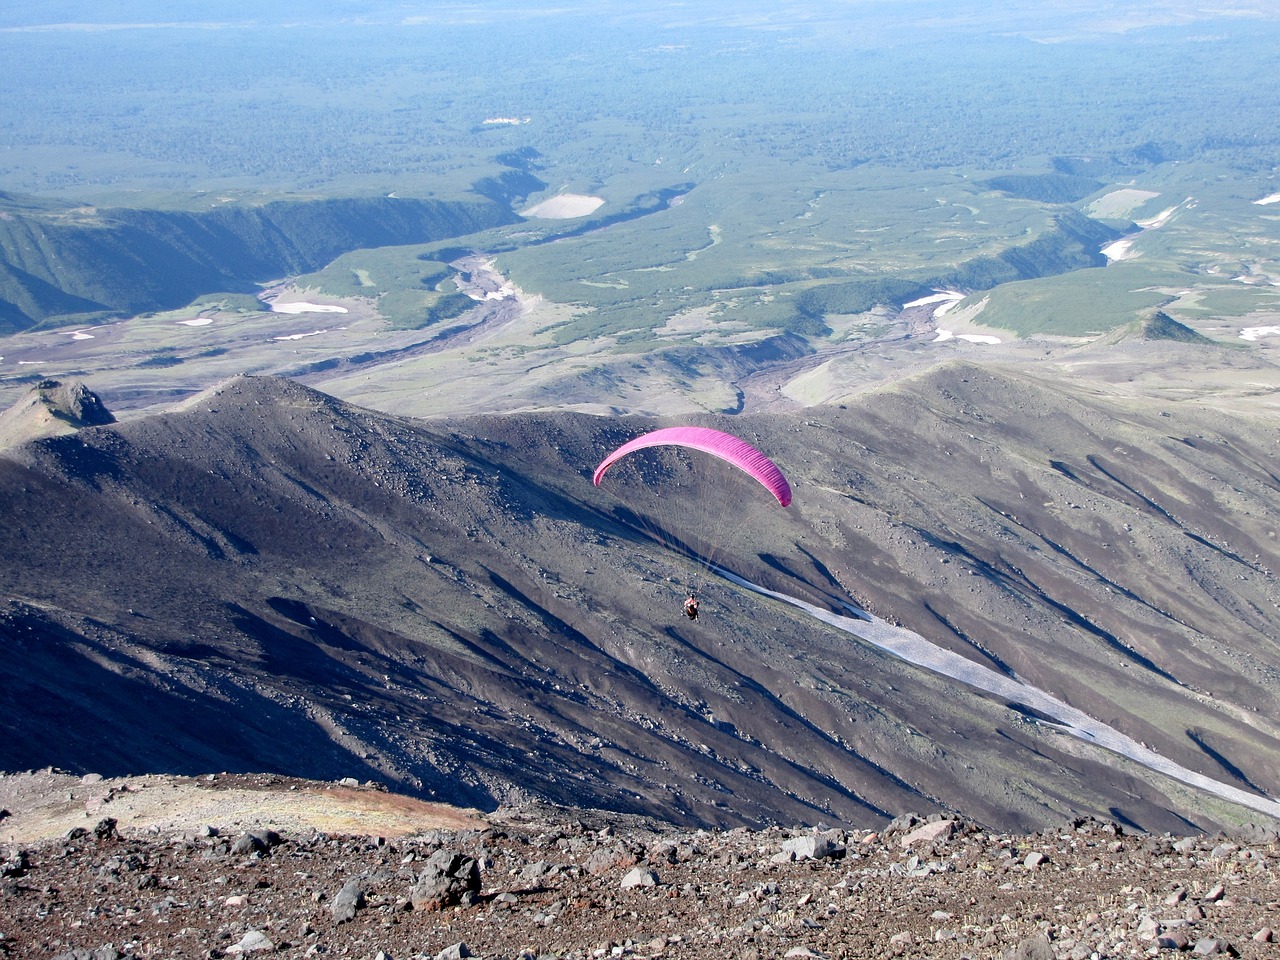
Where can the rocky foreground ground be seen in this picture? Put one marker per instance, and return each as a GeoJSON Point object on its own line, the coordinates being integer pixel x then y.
{"type": "Point", "coordinates": [580, 886]}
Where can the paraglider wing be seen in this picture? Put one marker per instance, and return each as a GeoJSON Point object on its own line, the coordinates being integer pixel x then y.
{"type": "Point", "coordinates": [723, 445]}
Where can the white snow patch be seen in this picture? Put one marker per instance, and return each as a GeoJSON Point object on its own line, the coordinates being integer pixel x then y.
{"type": "Point", "coordinates": [970, 337]}
{"type": "Point", "coordinates": [1122, 249]}
{"type": "Point", "coordinates": [1257, 333]}
{"type": "Point", "coordinates": [566, 206]}
{"type": "Point", "coordinates": [1274, 198]}
{"type": "Point", "coordinates": [1118, 250]}
{"type": "Point", "coordinates": [1161, 218]}
{"type": "Point", "coordinates": [197, 322]}
{"type": "Point", "coordinates": [942, 296]}
{"type": "Point", "coordinates": [80, 335]}
{"type": "Point", "coordinates": [301, 336]}
{"type": "Point", "coordinates": [303, 307]}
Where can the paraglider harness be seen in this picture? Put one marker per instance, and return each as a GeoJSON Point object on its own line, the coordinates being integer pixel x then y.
{"type": "Point", "coordinates": [691, 607]}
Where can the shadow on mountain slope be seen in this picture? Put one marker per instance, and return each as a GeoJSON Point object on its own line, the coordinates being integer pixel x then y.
{"type": "Point", "coordinates": [304, 586]}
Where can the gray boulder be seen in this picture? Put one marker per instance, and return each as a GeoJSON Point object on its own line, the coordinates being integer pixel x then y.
{"type": "Point", "coordinates": [1211, 946]}
{"type": "Point", "coordinates": [639, 877]}
{"type": "Point", "coordinates": [254, 941]}
{"type": "Point", "coordinates": [604, 859]}
{"type": "Point", "coordinates": [256, 841]}
{"type": "Point", "coordinates": [447, 878]}
{"type": "Point", "coordinates": [349, 899]}
{"type": "Point", "coordinates": [815, 846]}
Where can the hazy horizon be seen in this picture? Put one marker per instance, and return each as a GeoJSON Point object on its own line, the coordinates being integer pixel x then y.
{"type": "Point", "coordinates": [351, 96]}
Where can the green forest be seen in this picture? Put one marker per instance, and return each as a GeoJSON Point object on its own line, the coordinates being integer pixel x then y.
{"type": "Point", "coordinates": [763, 172]}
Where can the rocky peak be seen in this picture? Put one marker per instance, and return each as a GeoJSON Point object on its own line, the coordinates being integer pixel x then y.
{"type": "Point", "coordinates": [73, 403]}
{"type": "Point", "coordinates": [1161, 326]}
{"type": "Point", "coordinates": [52, 407]}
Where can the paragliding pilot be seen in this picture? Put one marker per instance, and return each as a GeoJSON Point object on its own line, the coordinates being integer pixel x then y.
{"type": "Point", "coordinates": [691, 607]}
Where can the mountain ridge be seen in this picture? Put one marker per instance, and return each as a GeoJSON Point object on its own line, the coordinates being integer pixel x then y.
{"type": "Point", "coordinates": [273, 548]}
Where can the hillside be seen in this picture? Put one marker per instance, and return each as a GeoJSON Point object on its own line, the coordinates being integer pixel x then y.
{"type": "Point", "coordinates": [268, 578]}
{"type": "Point", "coordinates": [68, 261]}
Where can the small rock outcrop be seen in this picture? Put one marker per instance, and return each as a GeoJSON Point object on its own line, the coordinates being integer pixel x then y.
{"type": "Point", "coordinates": [52, 407]}
{"type": "Point", "coordinates": [447, 879]}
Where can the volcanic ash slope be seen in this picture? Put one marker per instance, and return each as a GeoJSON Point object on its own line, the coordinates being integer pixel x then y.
{"type": "Point", "coordinates": [268, 579]}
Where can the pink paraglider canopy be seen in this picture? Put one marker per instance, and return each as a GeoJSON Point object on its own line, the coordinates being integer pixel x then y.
{"type": "Point", "coordinates": [725, 446]}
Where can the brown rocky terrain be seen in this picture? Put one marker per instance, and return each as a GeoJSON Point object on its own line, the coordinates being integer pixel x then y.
{"type": "Point", "coordinates": [43, 805]}
{"type": "Point", "coordinates": [572, 884]}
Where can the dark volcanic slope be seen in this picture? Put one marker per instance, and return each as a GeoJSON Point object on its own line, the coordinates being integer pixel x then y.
{"type": "Point", "coordinates": [272, 579]}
